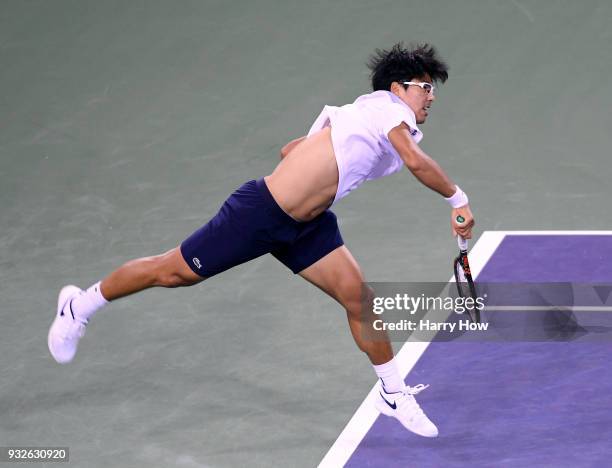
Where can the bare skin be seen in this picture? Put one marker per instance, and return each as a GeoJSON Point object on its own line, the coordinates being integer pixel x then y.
{"type": "Point", "coordinates": [305, 181]}
{"type": "Point", "coordinates": [168, 270]}
{"type": "Point", "coordinates": [304, 185]}
{"type": "Point", "coordinates": [339, 275]}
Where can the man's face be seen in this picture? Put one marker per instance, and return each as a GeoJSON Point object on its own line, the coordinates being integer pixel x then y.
{"type": "Point", "coordinates": [417, 98]}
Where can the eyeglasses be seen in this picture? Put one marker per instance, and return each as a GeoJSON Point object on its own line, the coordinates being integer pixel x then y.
{"type": "Point", "coordinates": [427, 87]}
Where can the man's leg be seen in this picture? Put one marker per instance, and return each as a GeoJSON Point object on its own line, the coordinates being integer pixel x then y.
{"type": "Point", "coordinates": [76, 307]}
{"type": "Point", "coordinates": [168, 270]}
{"type": "Point", "coordinates": [339, 275]}
{"type": "Point", "coordinates": [239, 232]}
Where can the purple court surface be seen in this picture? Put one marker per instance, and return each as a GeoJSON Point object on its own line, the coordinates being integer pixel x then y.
{"type": "Point", "coordinates": [511, 404]}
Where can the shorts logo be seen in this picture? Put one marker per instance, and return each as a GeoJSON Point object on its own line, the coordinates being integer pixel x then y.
{"type": "Point", "coordinates": [196, 262]}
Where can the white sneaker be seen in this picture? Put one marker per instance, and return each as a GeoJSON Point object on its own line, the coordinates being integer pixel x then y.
{"type": "Point", "coordinates": [66, 330]}
{"type": "Point", "coordinates": [403, 407]}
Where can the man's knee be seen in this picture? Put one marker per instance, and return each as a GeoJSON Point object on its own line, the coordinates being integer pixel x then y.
{"type": "Point", "coordinates": [354, 294]}
{"type": "Point", "coordinates": [172, 271]}
{"type": "Point", "coordinates": [173, 280]}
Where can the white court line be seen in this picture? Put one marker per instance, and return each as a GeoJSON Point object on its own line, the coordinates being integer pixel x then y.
{"type": "Point", "coordinates": [409, 354]}
{"type": "Point", "coordinates": [553, 233]}
{"type": "Point", "coordinates": [406, 358]}
{"type": "Point", "coordinates": [551, 307]}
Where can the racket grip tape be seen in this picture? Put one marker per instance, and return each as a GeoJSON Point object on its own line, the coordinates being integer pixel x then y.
{"type": "Point", "coordinates": [463, 243]}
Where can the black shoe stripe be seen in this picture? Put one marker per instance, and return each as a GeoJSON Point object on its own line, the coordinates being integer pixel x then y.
{"type": "Point", "coordinates": [393, 406]}
{"type": "Point", "coordinates": [70, 306]}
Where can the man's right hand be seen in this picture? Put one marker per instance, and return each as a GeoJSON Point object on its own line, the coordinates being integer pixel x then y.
{"type": "Point", "coordinates": [464, 229]}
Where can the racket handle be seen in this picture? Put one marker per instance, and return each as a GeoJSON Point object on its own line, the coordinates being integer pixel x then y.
{"type": "Point", "coordinates": [463, 243]}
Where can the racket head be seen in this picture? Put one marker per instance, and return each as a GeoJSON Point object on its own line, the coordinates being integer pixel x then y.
{"type": "Point", "coordinates": [465, 285]}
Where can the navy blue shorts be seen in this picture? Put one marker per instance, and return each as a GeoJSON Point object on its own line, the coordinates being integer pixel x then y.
{"type": "Point", "coordinates": [250, 224]}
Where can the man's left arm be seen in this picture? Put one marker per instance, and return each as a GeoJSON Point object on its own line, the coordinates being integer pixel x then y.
{"type": "Point", "coordinates": [289, 146]}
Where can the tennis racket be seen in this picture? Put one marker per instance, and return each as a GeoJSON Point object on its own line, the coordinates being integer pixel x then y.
{"type": "Point", "coordinates": [463, 276]}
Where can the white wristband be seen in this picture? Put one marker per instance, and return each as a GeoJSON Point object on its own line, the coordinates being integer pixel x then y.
{"type": "Point", "coordinates": [459, 199]}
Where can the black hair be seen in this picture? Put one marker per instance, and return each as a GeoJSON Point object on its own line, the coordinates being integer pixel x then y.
{"type": "Point", "coordinates": [404, 64]}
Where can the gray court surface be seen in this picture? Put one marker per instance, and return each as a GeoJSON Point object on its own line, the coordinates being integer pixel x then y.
{"type": "Point", "coordinates": [123, 127]}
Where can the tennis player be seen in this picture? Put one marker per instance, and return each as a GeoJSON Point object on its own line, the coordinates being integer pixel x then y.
{"type": "Point", "coordinates": [287, 214]}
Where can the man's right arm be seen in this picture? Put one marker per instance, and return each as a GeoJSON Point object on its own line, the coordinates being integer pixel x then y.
{"type": "Point", "coordinates": [430, 174]}
{"type": "Point", "coordinates": [422, 166]}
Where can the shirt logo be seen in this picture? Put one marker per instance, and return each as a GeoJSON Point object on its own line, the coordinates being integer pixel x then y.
{"type": "Point", "coordinates": [413, 132]}
{"type": "Point", "coordinates": [196, 262]}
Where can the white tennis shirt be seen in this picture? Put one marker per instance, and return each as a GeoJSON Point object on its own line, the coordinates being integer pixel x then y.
{"type": "Point", "coordinates": [360, 137]}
